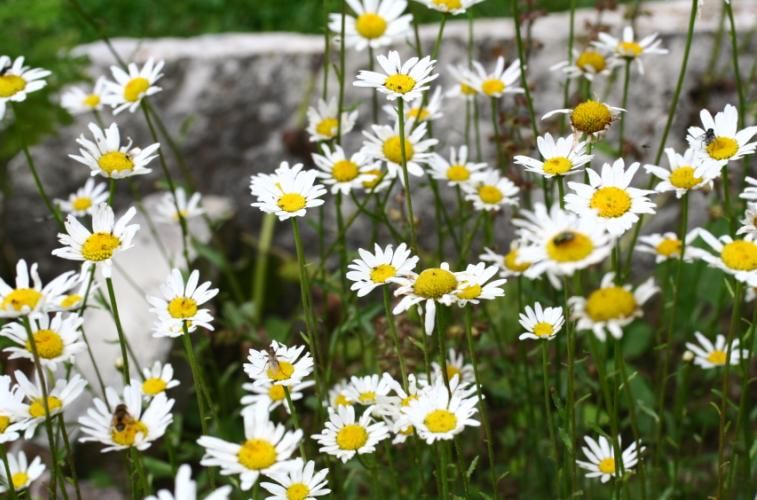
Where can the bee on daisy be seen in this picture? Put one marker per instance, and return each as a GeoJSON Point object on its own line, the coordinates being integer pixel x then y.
{"type": "Point", "coordinates": [61, 394]}
{"type": "Point", "coordinates": [667, 246]}
{"type": "Point", "coordinates": [107, 157]}
{"type": "Point", "coordinates": [611, 307]}
{"type": "Point", "coordinates": [297, 480]}
{"type": "Point", "coordinates": [85, 199]}
{"type": "Point", "coordinates": [385, 145]}
{"type": "Point", "coordinates": [719, 139]}
{"type": "Point", "coordinates": [496, 83]}
{"type": "Point", "coordinates": [286, 366]}
{"type": "Point", "coordinates": [685, 173]}
{"type": "Point", "coordinates": [17, 81]}
{"type": "Point", "coordinates": [57, 340]}
{"type": "Point", "coordinates": [608, 200]}
{"type": "Point", "coordinates": [345, 436]}
{"type": "Point", "coordinates": [78, 100]}
{"type": "Point", "coordinates": [490, 191]}
{"type": "Point", "coordinates": [29, 295]}
{"type": "Point", "coordinates": [541, 323]}
{"type": "Point", "coordinates": [628, 48]}
{"type": "Point", "coordinates": [458, 170]}
{"type": "Point", "coordinates": [22, 473]}
{"type": "Point", "coordinates": [708, 355]}
{"type": "Point", "coordinates": [564, 156]}
{"type": "Point", "coordinates": [188, 208]}
{"type": "Point", "coordinates": [156, 379]}
{"type": "Point", "coordinates": [439, 413]}
{"type": "Point", "coordinates": [418, 110]}
{"type": "Point", "coordinates": [376, 23]}
{"type": "Point", "coordinates": [737, 257]}
{"type": "Point", "coordinates": [340, 172]}
{"type": "Point", "coordinates": [601, 460]}
{"type": "Point", "coordinates": [406, 81]}
{"type": "Point", "coordinates": [587, 64]}
{"type": "Point", "coordinates": [186, 489]}
{"type": "Point", "coordinates": [590, 118]}
{"type": "Point", "coordinates": [288, 192]}
{"type": "Point", "coordinates": [323, 120]}
{"type": "Point", "coordinates": [128, 88]}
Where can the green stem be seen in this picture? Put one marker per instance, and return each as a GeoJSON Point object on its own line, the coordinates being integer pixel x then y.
{"type": "Point", "coordinates": [175, 150]}
{"type": "Point", "coordinates": [736, 67]}
{"type": "Point", "coordinates": [119, 329]}
{"type": "Point", "coordinates": [561, 190]}
{"type": "Point", "coordinates": [634, 419]}
{"type": "Point", "coordinates": [341, 238]}
{"type": "Point", "coordinates": [8, 474]}
{"type": "Point", "coordinates": [374, 94]}
{"type": "Point", "coordinates": [261, 266]}
{"type": "Point", "coordinates": [571, 334]}
{"type": "Point", "coordinates": [571, 37]}
{"type": "Point", "coordinates": [394, 335]}
{"type": "Point", "coordinates": [40, 189]}
{"type": "Point", "coordinates": [461, 466]}
{"type": "Point", "coordinates": [69, 457]}
{"type": "Point", "coordinates": [405, 176]}
{"type": "Point", "coordinates": [497, 139]}
{"type": "Point", "coordinates": [295, 420]}
{"type": "Point", "coordinates": [443, 466]}
{"type": "Point", "coordinates": [548, 403]}
{"type": "Point", "coordinates": [477, 128]}
{"type": "Point", "coordinates": [522, 62]}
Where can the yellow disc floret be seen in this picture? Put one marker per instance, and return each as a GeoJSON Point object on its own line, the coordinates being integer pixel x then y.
{"type": "Point", "coordinates": [513, 264]}
{"type": "Point", "coordinates": [99, 246]}
{"type": "Point", "coordinates": [458, 173]}
{"type": "Point", "coordinates": [135, 88]}
{"type": "Point", "coordinates": [493, 87]}
{"type": "Point", "coordinates": [327, 127]}
{"type": "Point", "coordinates": [92, 101]}
{"type": "Point", "coordinates": [435, 282]}
{"type": "Point", "coordinates": [448, 5]}
{"type": "Point", "coordinates": [291, 202]}
{"type": "Point", "coordinates": [669, 247]}
{"type": "Point", "coordinates": [48, 343]}
{"type": "Point", "coordinates": [440, 421]}
{"type": "Point", "coordinates": [153, 386]}
{"type": "Point", "coordinates": [344, 170]}
{"type": "Point", "coordinates": [19, 480]}
{"type": "Point", "coordinates": [182, 307]}
{"type": "Point", "coordinates": [5, 421]}
{"type": "Point", "coordinates": [609, 303]}
{"type": "Point", "coordinates": [591, 59]}
{"type": "Point", "coordinates": [591, 117]}
{"type": "Point", "coordinates": [557, 165]}
{"type": "Point", "coordinates": [370, 25]}
{"type": "Point", "coordinates": [629, 49]}
{"type": "Point", "coordinates": [10, 85]}
{"type": "Point", "coordinates": [382, 272]}
{"type": "Point", "coordinates": [21, 298]}
{"type": "Point", "coordinates": [399, 83]}
{"type": "Point", "coordinates": [282, 371]}
{"type": "Point", "coordinates": [81, 203]}
{"type": "Point", "coordinates": [722, 148]}
{"type": "Point", "coordinates": [740, 255]}
{"type": "Point", "coordinates": [419, 114]}
{"type": "Point", "coordinates": [717, 357]}
{"type": "Point", "coordinates": [351, 437]}
{"type": "Point", "coordinates": [607, 466]}
{"type": "Point", "coordinates": [297, 491]}
{"type": "Point", "coordinates": [37, 407]}
{"type": "Point", "coordinates": [115, 161]}
{"type": "Point", "coordinates": [392, 149]}
{"type": "Point", "coordinates": [569, 246]}
{"type": "Point", "coordinates": [543, 329]}
{"type": "Point", "coordinates": [490, 194]}
{"type": "Point", "coordinates": [276, 392]}
{"type": "Point", "coordinates": [683, 177]}
{"type": "Point", "coordinates": [257, 454]}
{"type": "Point", "coordinates": [470, 292]}
{"type": "Point", "coordinates": [610, 202]}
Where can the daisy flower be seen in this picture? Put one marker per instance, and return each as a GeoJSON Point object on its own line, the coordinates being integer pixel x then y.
{"type": "Point", "coordinates": [440, 413]}
{"type": "Point", "coordinates": [558, 242]}
{"type": "Point", "coordinates": [272, 395]}
{"type": "Point", "coordinates": [455, 366]}
{"type": "Point", "coordinates": [13, 411]}
{"type": "Point", "coordinates": [586, 64]}
{"type": "Point", "coordinates": [128, 89]}
{"type": "Point", "coordinates": [541, 323]}
{"type": "Point", "coordinates": [476, 284]}
{"type": "Point", "coordinates": [611, 307]}
{"type": "Point", "coordinates": [188, 208]}
{"type": "Point", "coordinates": [490, 191]}
{"type": "Point", "coordinates": [57, 341]}
{"type": "Point", "coordinates": [750, 192]}
{"type": "Point", "coordinates": [376, 23]}
{"type": "Point", "coordinates": [29, 295]}
{"type": "Point", "coordinates": [338, 394]}
{"type": "Point", "coordinates": [323, 120]}
{"type": "Point", "coordinates": [265, 447]}
{"type": "Point", "coordinates": [298, 480]}
{"type": "Point", "coordinates": [288, 192]}
{"type": "Point", "coordinates": [458, 170]}
{"type": "Point", "coordinates": [22, 472]}
{"type": "Point", "coordinates": [684, 173]}
{"type": "Point", "coordinates": [509, 264]}
{"type": "Point", "coordinates": [107, 238]}
{"type": "Point", "coordinates": [280, 364]}
{"type": "Point", "coordinates": [498, 82]}
{"type": "Point", "coordinates": [749, 221]}
{"type": "Point", "coordinates": [390, 408]}
{"type": "Point", "coordinates": [453, 7]}
{"type": "Point", "coordinates": [180, 300]}
{"type": "Point", "coordinates": [370, 389]}
{"type": "Point", "coordinates": [735, 257]}
{"type": "Point", "coordinates": [186, 489]}
{"type": "Point", "coordinates": [709, 356]}
{"type": "Point", "coordinates": [85, 199]}
{"type": "Point", "coordinates": [156, 380]}
{"type": "Point", "coordinates": [167, 326]}
{"type": "Point", "coordinates": [107, 157]}
{"type": "Point", "coordinates": [77, 100]}
{"type": "Point", "coordinates": [376, 269]}
{"type": "Point", "coordinates": [601, 458]}
{"type": "Point", "coordinates": [406, 81]}
{"type": "Point", "coordinates": [432, 285]}
{"type": "Point", "coordinates": [344, 436]}
{"type": "Point", "coordinates": [564, 156]}
{"type": "Point", "coordinates": [385, 144]}
{"type": "Point", "coordinates": [342, 173]}
{"type": "Point", "coordinates": [59, 397]}
{"type": "Point", "coordinates": [667, 246]}
{"type": "Point", "coordinates": [628, 48]}
{"type": "Point", "coordinates": [74, 299]}
{"type": "Point", "coordinates": [719, 139]}
{"type": "Point", "coordinates": [462, 87]}
{"type": "Point", "coordinates": [608, 200]}
{"type": "Point", "coordinates": [591, 118]}
{"type": "Point", "coordinates": [420, 111]}
{"type": "Point", "coordinates": [125, 422]}
{"type": "Point", "coordinates": [17, 80]}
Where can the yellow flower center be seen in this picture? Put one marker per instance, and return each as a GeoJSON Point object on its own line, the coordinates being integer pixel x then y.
{"type": "Point", "coordinates": [49, 344]}
{"type": "Point", "coordinates": [297, 491]}
{"type": "Point", "coordinates": [368, 397]}
{"type": "Point", "coordinates": [11, 84]}
{"type": "Point", "coordinates": [629, 49]}
{"type": "Point", "coordinates": [470, 292]}
{"type": "Point", "coordinates": [440, 421]}
{"type": "Point", "coordinates": [406, 401]}
{"type": "Point", "coordinates": [467, 89]}
{"type": "Point", "coordinates": [569, 246]}
{"type": "Point", "coordinates": [608, 303]}
{"type": "Point", "coordinates": [492, 87]}
{"type": "Point", "coordinates": [434, 282]}
{"type": "Point", "coordinates": [291, 202]}
{"type": "Point", "coordinates": [419, 114]}
{"type": "Point", "coordinates": [717, 357]}
{"type": "Point", "coordinates": [20, 298]}
{"type": "Point", "coordinates": [740, 255]}
{"type": "Point", "coordinates": [283, 371]}
{"type": "Point", "coordinates": [448, 4]}
{"type": "Point", "coordinates": [591, 59]}
{"type": "Point", "coordinates": [327, 127]}
{"type": "Point", "coordinates": [610, 202]}
{"type": "Point", "coordinates": [452, 371]}
{"type": "Point", "coordinates": [543, 329]}
{"type": "Point", "coordinates": [399, 83]}
{"type": "Point", "coordinates": [557, 165]}
{"type": "Point", "coordinates": [607, 466]}
{"type": "Point", "coordinates": [408, 431]}
{"type": "Point", "coordinates": [4, 423]}
{"type": "Point", "coordinates": [70, 300]}
{"type": "Point", "coordinates": [135, 88]}
{"type": "Point", "coordinates": [127, 436]}
{"type": "Point", "coordinates": [257, 454]}
{"type": "Point", "coordinates": [376, 176]}
{"type": "Point", "coordinates": [153, 386]}
{"type": "Point", "coordinates": [182, 307]}
{"type": "Point", "coordinates": [591, 117]}
{"type": "Point", "coordinates": [342, 400]}
{"type": "Point", "coordinates": [276, 392]}
{"type": "Point", "coordinates": [489, 194]}
{"type": "Point", "coordinates": [511, 262]}
{"type": "Point", "coordinates": [392, 149]}
{"type": "Point", "coordinates": [115, 161]}
{"type": "Point", "coordinates": [382, 272]}
{"type": "Point", "coordinates": [19, 480]}
{"type": "Point", "coordinates": [458, 173]}
{"type": "Point", "coordinates": [683, 177]}
{"type": "Point", "coordinates": [344, 171]}
{"type": "Point", "coordinates": [668, 247]}
{"type": "Point", "coordinates": [351, 437]}
{"type": "Point", "coordinates": [370, 25]}
{"type": "Point", "coordinates": [99, 246]}
{"type": "Point", "coordinates": [92, 100]}
{"type": "Point", "coordinates": [81, 203]}
{"type": "Point", "coordinates": [722, 148]}
{"type": "Point", "coordinates": [37, 408]}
